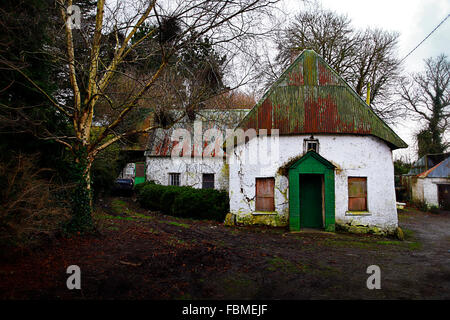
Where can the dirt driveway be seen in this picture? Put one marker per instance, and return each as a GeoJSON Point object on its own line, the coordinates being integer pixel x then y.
{"type": "Point", "coordinates": [143, 255]}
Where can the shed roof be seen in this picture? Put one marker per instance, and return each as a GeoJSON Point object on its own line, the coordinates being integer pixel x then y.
{"type": "Point", "coordinates": [310, 98]}
{"type": "Point", "coordinates": [441, 170]}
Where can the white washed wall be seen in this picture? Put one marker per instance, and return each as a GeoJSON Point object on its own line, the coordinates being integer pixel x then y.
{"type": "Point", "coordinates": [364, 156]}
{"type": "Point", "coordinates": [191, 171]}
{"type": "Point", "coordinates": [417, 189]}
{"type": "Point", "coordinates": [430, 190]}
{"type": "Point", "coordinates": [128, 171]}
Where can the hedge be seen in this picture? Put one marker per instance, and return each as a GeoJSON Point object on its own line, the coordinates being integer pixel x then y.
{"type": "Point", "coordinates": [184, 202]}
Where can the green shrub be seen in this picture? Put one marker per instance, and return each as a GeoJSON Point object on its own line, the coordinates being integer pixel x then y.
{"type": "Point", "coordinates": [184, 202]}
{"type": "Point", "coordinates": [149, 196]}
{"type": "Point", "coordinates": [168, 197]}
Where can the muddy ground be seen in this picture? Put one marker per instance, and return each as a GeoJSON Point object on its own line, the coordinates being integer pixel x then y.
{"type": "Point", "coordinates": [143, 255]}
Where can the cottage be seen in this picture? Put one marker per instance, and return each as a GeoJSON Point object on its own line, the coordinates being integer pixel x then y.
{"type": "Point", "coordinates": [310, 154]}
{"type": "Point", "coordinates": [315, 155]}
{"type": "Point", "coordinates": [190, 152]}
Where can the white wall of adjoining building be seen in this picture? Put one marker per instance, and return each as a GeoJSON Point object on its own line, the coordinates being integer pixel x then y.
{"type": "Point", "coordinates": [427, 188]}
{"type": "Point", "coordinates": [417, 189]}
{"type": "Point", "coordinates": [128, 171]}
{"type": "Point", "coordinates": [191, 170]}
{"type": "Point", "coordinates": [353, 156]}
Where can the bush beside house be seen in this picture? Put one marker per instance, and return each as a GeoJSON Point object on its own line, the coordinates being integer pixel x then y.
{"type": "Point", "coordinates": [184, 202]}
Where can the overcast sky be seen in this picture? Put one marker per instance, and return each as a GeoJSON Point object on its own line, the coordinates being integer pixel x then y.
{"type": "Point", "coordinates": [413, 19]}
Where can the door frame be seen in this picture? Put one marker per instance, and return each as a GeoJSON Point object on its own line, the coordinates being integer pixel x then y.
{"type": "Point", "coordinates": [321, 191]}
{"type": "Point", "coordinates": [140, 180]}
{"type": "Point", "coordinates": [312, 163]}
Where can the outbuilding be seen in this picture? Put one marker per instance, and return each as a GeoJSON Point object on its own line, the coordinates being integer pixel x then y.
{"type": "Point", "coordinates": [429, 181]}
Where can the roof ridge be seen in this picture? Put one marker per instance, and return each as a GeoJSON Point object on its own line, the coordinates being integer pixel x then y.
{"type": "Point", "coordinates": [316, 77]}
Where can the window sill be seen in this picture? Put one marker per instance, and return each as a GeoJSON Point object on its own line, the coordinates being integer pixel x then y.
{"type": "Point", "coordinates": [264, 212]}
{"type": "Point", "coordinates": [358, 213]}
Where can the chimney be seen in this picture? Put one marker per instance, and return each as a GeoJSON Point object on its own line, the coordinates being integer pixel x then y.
{"type": "Point", "coordinates": [368, 94]}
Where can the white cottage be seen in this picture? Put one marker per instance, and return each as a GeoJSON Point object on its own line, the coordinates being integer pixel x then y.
{"type": "Point", "coordinates": [314, 155]}
{"type": "Point", "coordinates": [190, 153]}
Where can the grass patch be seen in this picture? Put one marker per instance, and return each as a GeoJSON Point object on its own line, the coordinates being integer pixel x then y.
{"type": "Point", "coordinates": [142, 216]}
{"type": "Point", "coordinates": [110, 217]}
{"type": "Point", "coordinates": [174, 242]}
{"type": "Point", "coordinates": [286, 266]}
{"type": "Point", "coordinates": [119, 206]}
{"type": "Point", "coordinates": [393, 243]}
{"type": "Point", "coordinates": [349, 244]}
{"type": "Point", "coordinates": [411, 245]}
{"type": "Point", "coordinates": [409, 234]}
{"type": "Point", "coordinates": [151, 230]}
{"type": "Point", "coordinates": [238, 287]}
{"type": "Point", "coordinates": [174, 223]}
{"type": "Point", "coordinates": [414, 246]}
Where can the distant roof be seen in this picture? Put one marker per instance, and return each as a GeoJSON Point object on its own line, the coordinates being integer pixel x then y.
{"type": "Point", "coordinates": [310, 97]}
{"type": "Point", "coordinates": [427, 162]}
{"type": "Point", "coordinates": [161, 145]}
{"type": "Point", "coordinates": [441, 170]}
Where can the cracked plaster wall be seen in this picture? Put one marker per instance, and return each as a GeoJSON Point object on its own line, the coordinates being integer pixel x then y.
{"type": "Point", "coordinates": [191, 170]}
{"type": "Point", "coordinates": [353, 156]}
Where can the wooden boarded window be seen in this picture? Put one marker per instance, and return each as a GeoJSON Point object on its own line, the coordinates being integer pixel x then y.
{"type": "Point", "coordinates": [357, 194]}
{"type": "Point", "coordinates": [140, 169]}
{"type": "Point", "coordinates": [264, 194]}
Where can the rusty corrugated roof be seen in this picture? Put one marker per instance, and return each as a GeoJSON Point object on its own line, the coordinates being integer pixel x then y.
{"type": "Point", "coordinates": [160, 143]}
{"type": "Point", "coordinates": [311, 98]}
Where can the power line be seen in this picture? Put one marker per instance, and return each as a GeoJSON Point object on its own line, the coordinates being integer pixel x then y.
{"type": "Point", "coordinates": [426, 37]}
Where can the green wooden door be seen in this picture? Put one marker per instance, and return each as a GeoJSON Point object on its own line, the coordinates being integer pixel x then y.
{"type": "Point", "coordinates": [320, 203]}
{"type": "Point", "coordinates": [311, 201]}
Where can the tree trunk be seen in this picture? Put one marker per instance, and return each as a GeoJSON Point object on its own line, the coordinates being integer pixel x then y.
{"type": "Point", "coordinates": [81, 200]}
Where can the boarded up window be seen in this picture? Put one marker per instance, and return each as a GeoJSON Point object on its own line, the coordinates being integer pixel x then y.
{"type": "Point", "coordinates": [208, 181]}
{"type": "Point", "coordinates": [174, 179]}
{"type": "Point", "coordinates": [357, 194]}
{"type": "Point", "coordinates": [140, 169]}
{"type": "Point", "coordinates": [264, 194]}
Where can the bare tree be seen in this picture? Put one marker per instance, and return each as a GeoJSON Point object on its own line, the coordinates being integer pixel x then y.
{"type": "Point", "coordinates": [426, 96]}
{"type": "Point", "coordinates": [95, 57]}
{"type": "Point", "coordinates": [360, 57]}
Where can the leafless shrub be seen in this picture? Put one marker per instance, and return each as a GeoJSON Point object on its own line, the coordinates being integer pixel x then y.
{"type": "Point", "coordinates": [32, 205]}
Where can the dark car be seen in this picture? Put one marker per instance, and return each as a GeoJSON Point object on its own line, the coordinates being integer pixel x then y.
{"type": "Point", "coordinates": [123, 187]}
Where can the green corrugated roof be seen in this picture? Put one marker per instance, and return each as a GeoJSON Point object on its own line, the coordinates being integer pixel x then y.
{"type": "Point", "coordinates": [311, 98]}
